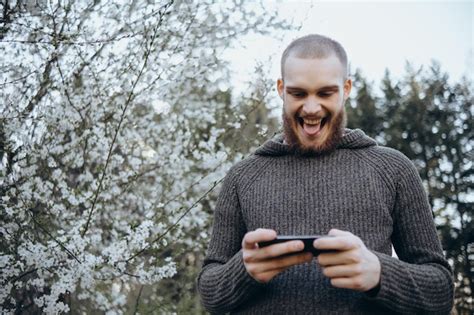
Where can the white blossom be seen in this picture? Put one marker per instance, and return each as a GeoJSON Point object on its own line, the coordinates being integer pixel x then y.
{"type": "Point", "coordinates": [104, 149]}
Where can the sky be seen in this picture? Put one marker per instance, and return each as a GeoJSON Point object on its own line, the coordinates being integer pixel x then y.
{"type": "Point", "coordinates": [376, 35]}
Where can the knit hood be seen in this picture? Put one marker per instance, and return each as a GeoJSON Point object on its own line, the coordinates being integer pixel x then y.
{"type": "Point", "coordinates": [352, 139]}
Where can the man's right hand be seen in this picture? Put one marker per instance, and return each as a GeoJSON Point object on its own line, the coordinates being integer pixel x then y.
{"type": "Point", "coordinates": [263, 264]}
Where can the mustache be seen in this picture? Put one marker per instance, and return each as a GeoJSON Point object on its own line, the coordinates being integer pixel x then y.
{"type": "Point", "coordinates": [311, 116]}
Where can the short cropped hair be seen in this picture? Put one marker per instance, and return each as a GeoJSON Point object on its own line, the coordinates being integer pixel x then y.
{"type": "Point", "coordinates": [314, 46]}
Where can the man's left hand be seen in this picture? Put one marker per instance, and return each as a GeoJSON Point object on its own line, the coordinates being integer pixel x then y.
{"type": "Point", "coordinates": [352, 265]}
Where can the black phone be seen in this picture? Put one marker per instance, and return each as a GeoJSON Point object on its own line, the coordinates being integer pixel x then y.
{"type": "Point", "coordinates": [306, 239]}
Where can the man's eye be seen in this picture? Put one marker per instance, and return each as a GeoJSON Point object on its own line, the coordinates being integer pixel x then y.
{"type": "Point", "coordinates": [298, 94]}
{"type": "Point", "coordinates": [327, 94]}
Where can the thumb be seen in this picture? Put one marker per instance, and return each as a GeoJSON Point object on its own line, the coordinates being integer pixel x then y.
{"type": "Point", "coordinates": [337, 232]}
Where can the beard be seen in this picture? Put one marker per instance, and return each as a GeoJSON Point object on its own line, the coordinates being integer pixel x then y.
{"type": "Point", "coordinates": [335, 125]}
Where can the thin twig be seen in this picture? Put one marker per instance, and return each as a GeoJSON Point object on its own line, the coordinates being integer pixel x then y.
{"type": "Point", "coordinates": [19, 79]}
{"type": "Point", "coordinates": [138, 300]}
{"type": "Point", "coordinates": [46, 230]}
{"type": "Point", "coordinates": [23, 275]}
{"type": "Point", "coordinates": [66, 42]}
{"type": "Point", "coordinates": [55, 239]}
{"type": "Point", "coordinates": [68, 97]}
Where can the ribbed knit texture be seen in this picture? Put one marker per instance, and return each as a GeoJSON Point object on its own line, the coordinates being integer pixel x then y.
{"type": "Point", "coordinates": [372, 191]}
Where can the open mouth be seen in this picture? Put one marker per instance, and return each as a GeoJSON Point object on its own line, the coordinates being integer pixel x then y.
{"type": "Point", "coordinates": [312, 127]}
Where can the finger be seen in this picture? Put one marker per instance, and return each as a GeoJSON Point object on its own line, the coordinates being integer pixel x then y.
{"type": "Point", "coordinates": [342, 271]}
{"type": "Point", "coordinates": [281, 262]}
{"type": "Point", "coordinates": [337, 242]}
{"type": "Point", "coordinates": [280, 249]}
{"type": "Point", "coordinates": [354, 283]}
{"type": "Point", "coordinates": [269, 275]}
{"type": "Point", "coordinates": [341, 283]}
{"type": "Point", "coordinates": [339, 258]}
{"type": "Point", "coordinates": [259, 235]}
{"type": "Point", "coordinates": [293, 259]}
{"type": "Point", "coordinates": [337, 232]}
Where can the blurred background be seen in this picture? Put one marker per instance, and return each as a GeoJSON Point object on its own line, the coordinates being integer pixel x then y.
{"type": "Point", "coordinates": [119, 120]}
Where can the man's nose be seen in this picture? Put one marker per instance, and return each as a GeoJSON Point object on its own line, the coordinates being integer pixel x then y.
{"type": "Point", "coordinates": [311, 106]}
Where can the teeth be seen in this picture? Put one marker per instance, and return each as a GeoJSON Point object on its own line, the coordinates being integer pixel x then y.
{"type": "Point", "coordinates": [312, 121]}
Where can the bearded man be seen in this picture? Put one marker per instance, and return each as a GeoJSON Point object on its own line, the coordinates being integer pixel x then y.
{"type": "Point", "coordinates": [320, 178]}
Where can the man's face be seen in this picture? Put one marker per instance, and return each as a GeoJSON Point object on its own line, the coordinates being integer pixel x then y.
{"type": "Point", "coordinates": [313, 93]}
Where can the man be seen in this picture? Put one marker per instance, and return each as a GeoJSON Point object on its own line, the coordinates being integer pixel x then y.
{"type": "Point", "coordinates": [314, 178]}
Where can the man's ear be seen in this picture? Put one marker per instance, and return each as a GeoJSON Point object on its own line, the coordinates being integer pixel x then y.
{"type": "Point", "coordinates": [347, 89]}
{"type": "Point", "coordinates": [280, 87]}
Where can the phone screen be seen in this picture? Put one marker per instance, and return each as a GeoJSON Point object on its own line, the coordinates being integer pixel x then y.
{"type": "Point", "coordinates": [306, 239]}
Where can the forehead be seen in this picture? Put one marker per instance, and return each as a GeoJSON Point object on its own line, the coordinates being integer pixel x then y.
{"type": "Point", "coordinates": [313, 72]}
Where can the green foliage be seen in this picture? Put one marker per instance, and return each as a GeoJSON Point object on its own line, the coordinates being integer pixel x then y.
{"type": "Point", "coordinates": [364, 110]}
{"type": "Point", "coordinates": [430, 119]}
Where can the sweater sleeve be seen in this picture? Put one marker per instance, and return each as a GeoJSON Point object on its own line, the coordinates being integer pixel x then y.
{"type": "Point", "coordinates": [223, 282]}
{"type": "Point", "coordinates": [420, 281]}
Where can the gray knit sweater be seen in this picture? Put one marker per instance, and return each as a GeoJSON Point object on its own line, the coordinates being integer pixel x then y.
{"type": "Point", "coordinates": [372, 191]}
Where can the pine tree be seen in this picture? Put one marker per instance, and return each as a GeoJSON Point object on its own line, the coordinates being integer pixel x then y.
{"type": "Point", "coordinates": [363, 111]}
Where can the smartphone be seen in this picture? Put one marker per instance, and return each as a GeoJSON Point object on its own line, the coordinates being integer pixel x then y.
{"type": "Point", "coordinates": [306, 239]}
